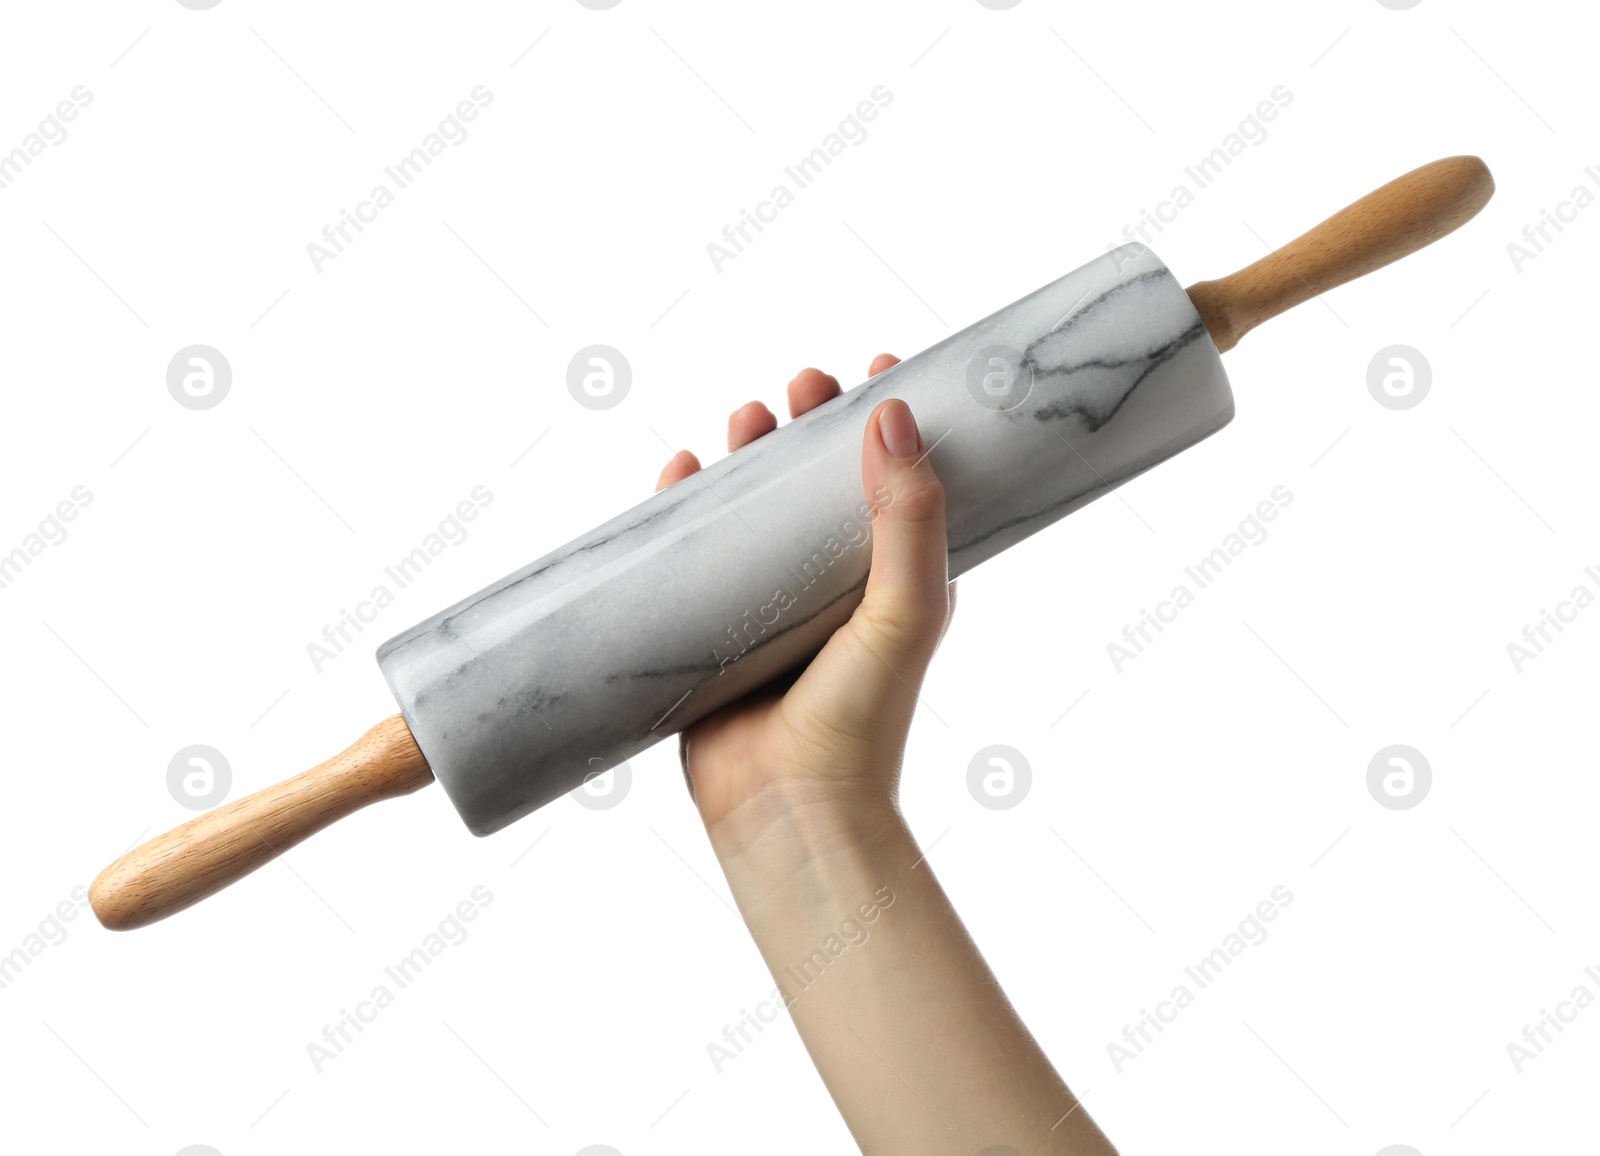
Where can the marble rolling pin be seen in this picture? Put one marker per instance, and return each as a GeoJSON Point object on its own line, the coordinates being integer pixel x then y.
{"type": "Point", "coordinates": [716, 585]}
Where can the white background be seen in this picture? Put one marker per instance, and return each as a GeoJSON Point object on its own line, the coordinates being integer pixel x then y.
{"type": "Point", "coordinates": [372, 396]}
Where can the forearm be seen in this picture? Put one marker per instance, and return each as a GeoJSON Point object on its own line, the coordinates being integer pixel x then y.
{"type": "Point", "coordinates": [911, 1033]}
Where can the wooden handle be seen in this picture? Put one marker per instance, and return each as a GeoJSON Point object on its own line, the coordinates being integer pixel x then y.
{"type": "Point", "coordinates": [207, 853]}
{"type": "Point", "coordinates": [1383, 226]}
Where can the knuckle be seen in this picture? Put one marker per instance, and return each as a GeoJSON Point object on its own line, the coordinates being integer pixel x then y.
{"type": "Point", "coordinates": [898, 627]}
{"type": "Point", "coordinates": [917, 497]}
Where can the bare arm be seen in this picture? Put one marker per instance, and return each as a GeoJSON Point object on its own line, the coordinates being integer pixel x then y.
{"type": "Point", "coordinates": [907, 1026]}
{"type": "Point", "coordinates": [798, 787]}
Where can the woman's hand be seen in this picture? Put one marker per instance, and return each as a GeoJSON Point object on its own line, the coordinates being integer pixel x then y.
{"type": "Point", "coordinates": [798, 784]}
{"type": "Point", "coordinates": [835, 734]}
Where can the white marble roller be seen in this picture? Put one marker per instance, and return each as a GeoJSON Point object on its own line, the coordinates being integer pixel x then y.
{"type": "Point", "coordinates": [715, 585]}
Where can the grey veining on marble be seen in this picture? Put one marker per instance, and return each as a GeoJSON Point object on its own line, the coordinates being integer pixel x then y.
{"type": "Point", "coordinates": [714, 586]}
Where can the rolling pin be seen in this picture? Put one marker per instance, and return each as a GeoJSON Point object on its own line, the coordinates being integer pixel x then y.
{"type": "Point", "coordinates": [715, 586]}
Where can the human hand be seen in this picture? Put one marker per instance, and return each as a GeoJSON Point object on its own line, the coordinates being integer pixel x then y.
{"type": "Point", "coordinates": [797, 784]}
{"type": "Point", "coordinates": [834, 732]}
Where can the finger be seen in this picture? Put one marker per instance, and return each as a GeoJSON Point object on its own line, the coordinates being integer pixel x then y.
{"type": "Point", "coordinates": [749, 422]}
{"type": "Point", "coordinates": [809, 389]}
{"type": "Point", "coordinates": [907, 601]}
{"type": "Point", "coordinates": [880, 363]}
{"type": "Point", "coordinates": [681, 466]}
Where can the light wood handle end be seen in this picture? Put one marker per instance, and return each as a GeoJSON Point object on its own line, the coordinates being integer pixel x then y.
{"type": "Point", "coordinates": [1388, 223]}
{"type": "Point", "coordinates": [190, 862]}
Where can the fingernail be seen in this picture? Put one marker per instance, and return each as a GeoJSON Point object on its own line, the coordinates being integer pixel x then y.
{"type": "Point", "coordinates": [898, 429]}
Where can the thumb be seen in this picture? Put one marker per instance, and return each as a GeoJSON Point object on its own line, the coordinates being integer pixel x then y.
{"type": "Point", "coordinates": [907, 600]}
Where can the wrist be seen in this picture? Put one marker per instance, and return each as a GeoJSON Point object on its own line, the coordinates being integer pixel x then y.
{"type": "Point", "coordinates": [810, 845]}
